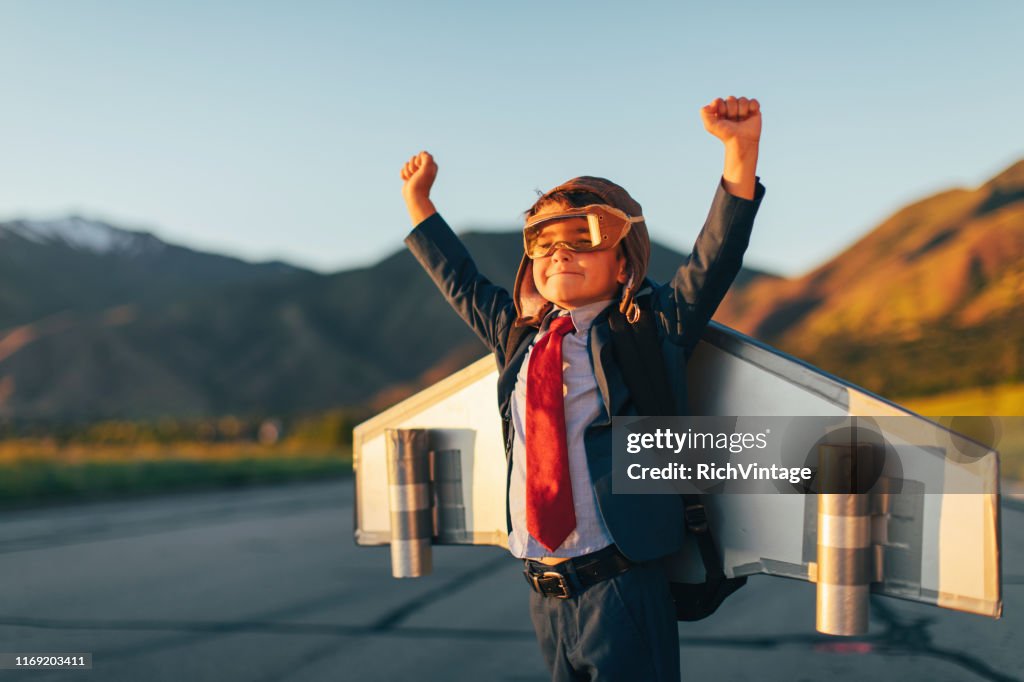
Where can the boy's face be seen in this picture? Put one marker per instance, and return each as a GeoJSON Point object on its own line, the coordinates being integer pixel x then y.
{"type": "Point", "coordinates": [570, 279]}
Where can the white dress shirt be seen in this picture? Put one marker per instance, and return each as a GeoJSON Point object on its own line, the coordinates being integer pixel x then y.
{"type": "Point", "coordinates": [582, 407]}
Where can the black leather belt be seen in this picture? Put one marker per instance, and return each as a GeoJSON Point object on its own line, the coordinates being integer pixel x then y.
{"type": "Point", "coordinates": [571, 577]}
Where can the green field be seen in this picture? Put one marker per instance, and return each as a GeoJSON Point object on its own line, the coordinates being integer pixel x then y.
{"type": "Point", "coordinates": [41, 476]}
{"type": "Point", "coordinates": [107, 464]}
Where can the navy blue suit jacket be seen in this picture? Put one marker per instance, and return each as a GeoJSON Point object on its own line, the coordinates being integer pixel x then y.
{"type": "Point", "coordinates": [643, 526]}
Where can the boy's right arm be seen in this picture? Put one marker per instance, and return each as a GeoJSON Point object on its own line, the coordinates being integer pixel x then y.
{"type": "Point", "coordinates": [701, 283]}
{"type": "Point", "coordinates": [487, 308]}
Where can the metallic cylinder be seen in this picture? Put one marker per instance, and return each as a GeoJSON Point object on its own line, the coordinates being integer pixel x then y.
{"type": "Point", "coordinates": [449, 501]}
{"type": "Point", "coordinates": [845, 553]}
{"type": "Point", "coordinates": [412, 522]}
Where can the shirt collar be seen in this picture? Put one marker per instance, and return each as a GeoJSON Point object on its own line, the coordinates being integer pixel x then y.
{"type": "Point", "coordinates": [582, 317]}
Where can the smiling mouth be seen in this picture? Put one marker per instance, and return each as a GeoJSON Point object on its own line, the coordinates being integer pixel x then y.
{"type": "Point", "coordinates": [564, 273]}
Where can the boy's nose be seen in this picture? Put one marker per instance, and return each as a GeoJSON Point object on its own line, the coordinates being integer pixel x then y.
{"type": "Point", "coordinates": [561, 254]}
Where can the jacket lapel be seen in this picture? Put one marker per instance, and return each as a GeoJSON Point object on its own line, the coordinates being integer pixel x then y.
{"type": "Point", "coordinates": [508, 374]}
{"type": "Point", "coordinates": [609, 381]}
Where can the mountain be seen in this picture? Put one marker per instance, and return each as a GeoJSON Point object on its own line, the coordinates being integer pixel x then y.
{"type": "Point", "coordinates": [75, 264]}
{"type": "Point", "coordinates": [100, 322]}
{"type": "Point", "coordinates": [929, 300]}
{"type": "Point", "coordinates": [145, 329]}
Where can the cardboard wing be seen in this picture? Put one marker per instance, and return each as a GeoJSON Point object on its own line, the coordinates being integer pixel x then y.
{"type": "Point", "coordinates": [941, 549]}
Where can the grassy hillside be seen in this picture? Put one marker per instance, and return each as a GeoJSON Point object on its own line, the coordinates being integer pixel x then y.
{"type": "Point", "coordinates": [1005, 401]}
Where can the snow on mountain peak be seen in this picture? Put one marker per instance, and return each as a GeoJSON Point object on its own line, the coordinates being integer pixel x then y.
{"type": "Point", "coordinates": [81, 233]}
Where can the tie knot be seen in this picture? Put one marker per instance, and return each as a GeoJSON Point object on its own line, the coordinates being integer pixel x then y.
{"type": "Point", "coordinates": [561, 325]}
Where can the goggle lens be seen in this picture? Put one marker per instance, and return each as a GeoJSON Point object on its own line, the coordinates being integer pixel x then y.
{"type": "Point", "coordinates": [605, 228]}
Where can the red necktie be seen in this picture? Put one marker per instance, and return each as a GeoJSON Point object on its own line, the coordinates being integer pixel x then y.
{"type": "Point", "coordinates": [550, 515]}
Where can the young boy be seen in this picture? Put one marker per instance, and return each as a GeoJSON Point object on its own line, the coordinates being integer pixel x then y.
{"type": "Point", "coordinates": [600, 600]}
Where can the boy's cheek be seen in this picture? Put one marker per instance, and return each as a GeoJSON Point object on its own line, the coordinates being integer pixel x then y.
{"type": "Point", "coordinates": [540, 266]}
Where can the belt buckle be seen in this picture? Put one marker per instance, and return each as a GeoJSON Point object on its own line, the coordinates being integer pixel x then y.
{"type": "Point", "coordinates": [563, 584]}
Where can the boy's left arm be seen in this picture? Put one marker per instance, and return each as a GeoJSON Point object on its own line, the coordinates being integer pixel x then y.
{"type": "Point", "coordinates": [701, 283]}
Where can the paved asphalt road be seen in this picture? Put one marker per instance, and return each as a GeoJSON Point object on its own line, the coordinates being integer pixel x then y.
{"type": "Point", "coordinates": [266, 584]}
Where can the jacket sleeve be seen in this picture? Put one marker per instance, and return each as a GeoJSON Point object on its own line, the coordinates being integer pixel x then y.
{"type": "Point", "coordinates": [687, 302]}
{"type": "Point", "coordinates": [487, 308]}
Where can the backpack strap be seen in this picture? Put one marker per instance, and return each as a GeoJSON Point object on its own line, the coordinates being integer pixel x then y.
{"type": "Point", "coordinates": [515, 338]}
{"type": "Point", "coordinates": [697, 523]}
{"type": "Point", "coordinates": [637, 350]}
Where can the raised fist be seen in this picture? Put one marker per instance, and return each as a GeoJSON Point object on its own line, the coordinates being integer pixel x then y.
{"type": "Point", "coordinates": [418, 173]}
{"type": "Point", "coordinates": [733, 120]}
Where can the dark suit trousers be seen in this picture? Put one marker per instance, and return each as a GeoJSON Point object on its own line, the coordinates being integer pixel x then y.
{"type": "Point", "coordinates": [623, 628]}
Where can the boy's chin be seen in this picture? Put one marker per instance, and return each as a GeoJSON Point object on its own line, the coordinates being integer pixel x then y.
{"type": "Point", "coordinates": [570, 302]}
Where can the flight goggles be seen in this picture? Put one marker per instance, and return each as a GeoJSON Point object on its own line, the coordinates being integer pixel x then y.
{"type": "Point", "coordinates": [606, 227]}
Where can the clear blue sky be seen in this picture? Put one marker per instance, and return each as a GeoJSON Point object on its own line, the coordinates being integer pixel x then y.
{"type": "Point", "coordinates": [278, 129]}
